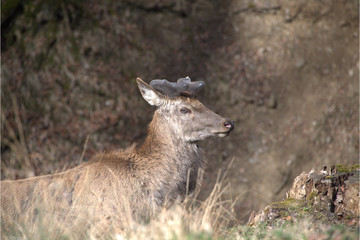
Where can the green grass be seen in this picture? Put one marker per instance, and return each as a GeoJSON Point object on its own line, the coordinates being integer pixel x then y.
{"type": "Point", "coordinates": [303, 229]}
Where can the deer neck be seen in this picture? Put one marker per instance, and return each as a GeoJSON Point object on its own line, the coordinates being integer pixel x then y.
{"type": "Point", "coordinates": [179, 162]}
{"type": "Point", "coordinates": [164, 143]}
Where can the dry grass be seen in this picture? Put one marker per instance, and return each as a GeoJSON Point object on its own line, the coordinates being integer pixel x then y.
{"type": "Point", "coordinates": [16, 140]}
{"type": "Point", "coordinates": [191, 218]}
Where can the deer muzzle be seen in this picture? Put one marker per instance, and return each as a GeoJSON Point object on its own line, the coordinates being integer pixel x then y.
{"type": "Point", "coordinates": [228, 126]}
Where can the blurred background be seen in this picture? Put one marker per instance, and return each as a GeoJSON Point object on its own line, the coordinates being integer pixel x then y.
{"type": "Point", "coordinates": [287, 72]}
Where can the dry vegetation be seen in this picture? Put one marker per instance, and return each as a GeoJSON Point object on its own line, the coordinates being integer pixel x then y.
{"type": "Point", "coordinates": [189, 219]}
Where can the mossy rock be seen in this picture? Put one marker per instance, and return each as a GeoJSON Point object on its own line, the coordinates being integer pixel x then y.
{"type": "Point", "coordinates": [345, 168]}
{"type": "Point", "coordinates": [324, 197]}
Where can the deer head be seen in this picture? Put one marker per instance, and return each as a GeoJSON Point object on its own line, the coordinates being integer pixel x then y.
{"type": "Point", "coordinates": [186, 116]}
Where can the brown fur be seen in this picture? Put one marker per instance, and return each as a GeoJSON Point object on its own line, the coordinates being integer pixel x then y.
{"type": "Point", "coordinates": [134, 183]}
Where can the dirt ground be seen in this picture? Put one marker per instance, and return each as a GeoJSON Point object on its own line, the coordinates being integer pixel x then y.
{"type": "Point", "coordinates": [287, 73]}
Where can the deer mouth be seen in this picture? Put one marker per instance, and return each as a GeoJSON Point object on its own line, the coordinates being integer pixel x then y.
{"type": "Point", "coordinates": [222, 134]}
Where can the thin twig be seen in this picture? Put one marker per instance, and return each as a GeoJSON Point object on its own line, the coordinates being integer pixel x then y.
{"type": "Point", "coordinates": [84, 149]}
{"type": "Point", "coordinates": [17, 145]}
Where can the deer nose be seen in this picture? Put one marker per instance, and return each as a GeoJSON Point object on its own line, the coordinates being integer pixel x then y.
{"type": "Point", "coordinates": [229, 124]}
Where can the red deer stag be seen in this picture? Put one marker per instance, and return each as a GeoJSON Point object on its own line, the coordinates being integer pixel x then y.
{"type": "Point", "coordinates": [137, 181]}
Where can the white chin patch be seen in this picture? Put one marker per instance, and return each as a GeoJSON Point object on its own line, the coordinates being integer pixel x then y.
{"type": "Point", "coordinates": [222, 134]}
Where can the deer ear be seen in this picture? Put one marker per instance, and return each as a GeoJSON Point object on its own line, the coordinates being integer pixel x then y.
{"type": "Point", "coordinates": [152, 96]}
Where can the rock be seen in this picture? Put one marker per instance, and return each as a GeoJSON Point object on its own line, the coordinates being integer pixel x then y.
{"type": "Point", "coordinates": [300, 62]}
{"type": "Point", "coordinates": [272, 103]}
{"type": "Point", "coordinates": [326, 196]}
{"type": "Point", "coordinates": [298, 190]}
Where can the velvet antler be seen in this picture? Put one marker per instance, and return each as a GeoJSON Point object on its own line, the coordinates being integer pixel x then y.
{"type": "Point", "coordinates": [183, 86]}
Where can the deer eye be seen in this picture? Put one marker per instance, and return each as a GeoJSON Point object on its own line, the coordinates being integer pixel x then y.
{"type": "Point", "coordinates": [185, 110]}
